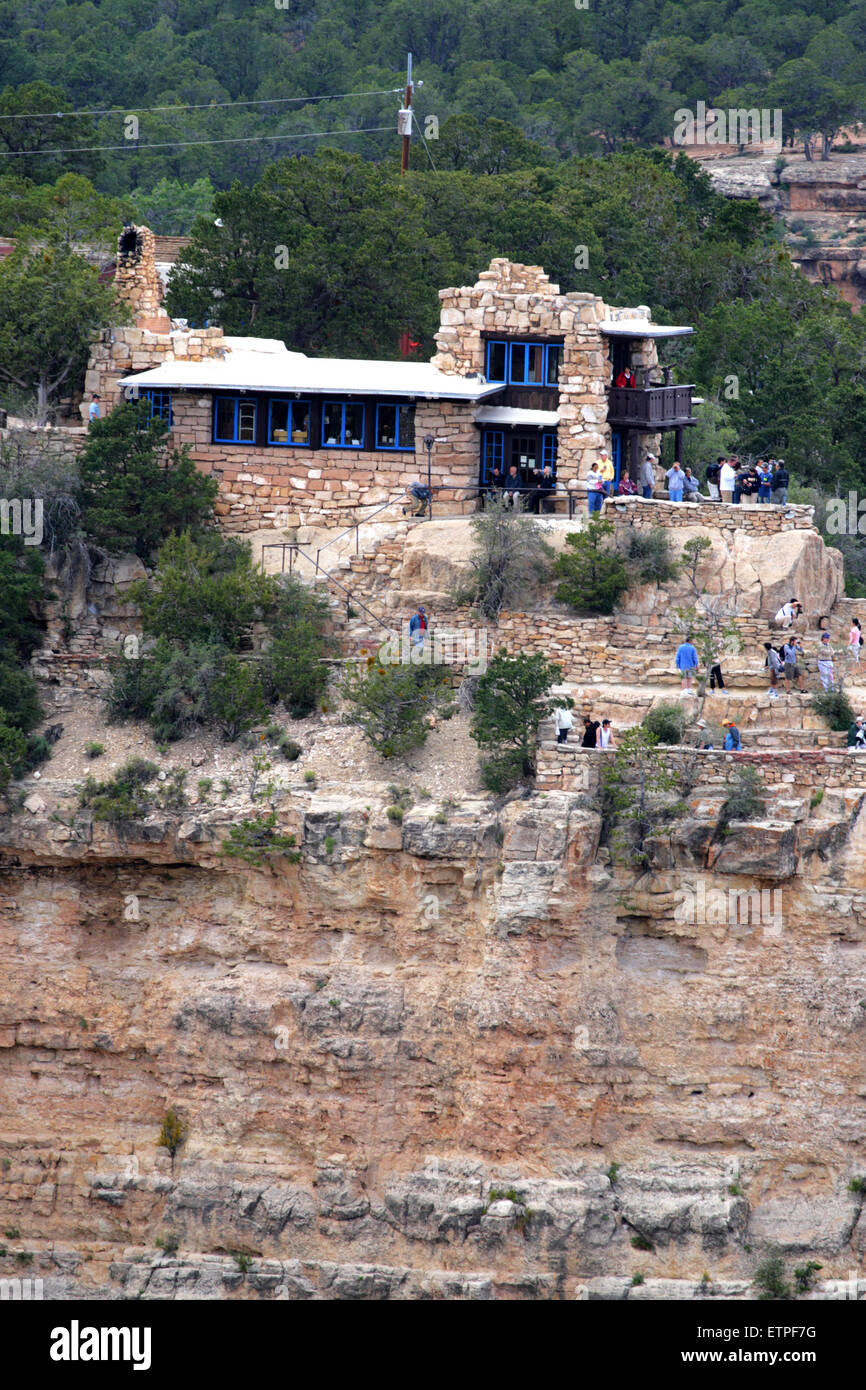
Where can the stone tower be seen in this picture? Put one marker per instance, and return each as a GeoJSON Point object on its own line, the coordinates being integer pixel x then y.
{"type": "Point", "coordinates": [136, 279]}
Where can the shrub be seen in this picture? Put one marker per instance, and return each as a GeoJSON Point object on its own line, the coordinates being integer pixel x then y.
{"type": "Point", "coordinates": [330, 844]}
{"type": "Point", "coordinates": [13, 750]}
{"type": "Point", "coordinates": [309, 776]}
{"type": "Point", "coordinates": [637, 1280]}
{"type": "Point", "coordinates": [636, 788]}
{"type": "Point", "coordinates": [293, 670]}
{"type": "Point", "coordinates": [858, 1186]}
{"type": "Point", "coordinates": [395, 814]}
{"type": "Point", "coordinates": [804, 1275]}
{"type": "Point", "coordinates": [168, 1244]}
{"type": "Point", "coordinates": [613, 1173]}
{"type": "Point", "coordinates": [666, 722]}
{"type": "Point", "coordinates": [649, 556]}
{"type": "Point", "coordinates": [203, 787]}
{"type": "Point", "coordinates": [173, 795]}
{"type": "Point", "coordinates": [391, 704]}
{"type": "Point", "coordinates": [120, 799]}
{"type": "Point", "coordinates": [770, 1279]}
{"type": "Point", "coordinates": [593, 575]}
{"type": "Point", "coordinates": [640, 1242]}
{"type": "Point", "coordinates": [511, 557]}
{"type": "Point", "coordinates": [236, 699]}
{"type": "Point", "coordinates": [94, 750]}
{"type": "Point", "coordinates": [744, 801]}
{"type": "Point", "coordinates": [204, 590]}
{"type": "Point", "coordinates": [512, 697]}
{"type": "Point", "coordinates": [172, 1133]}
{"type": "Point", "coordinates": [834, 706]}
{"type": "Point", "coordinates": [134, 491]}
{"type": "Point", "coordinates": [19, 696]}
{"type": "Point", "coordinates": [22, 587]}
{"type": "Point", "coordinates": [255, 841]}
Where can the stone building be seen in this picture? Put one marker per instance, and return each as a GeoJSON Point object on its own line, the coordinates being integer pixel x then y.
{"type": "Point", "coordinates": [522, 375]}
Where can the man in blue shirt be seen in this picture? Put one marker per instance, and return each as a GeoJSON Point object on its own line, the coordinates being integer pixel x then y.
{"type": "Point", "coordinates": [732, 736]}
{"type": "Point", "coordinates": [687, 662]}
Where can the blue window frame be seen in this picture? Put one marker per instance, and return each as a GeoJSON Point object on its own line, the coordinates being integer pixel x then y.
{"type": "Point", "coordinates": [343, 425]}
{"type": "Point", "coordinates": [395, 427]}
{"type": "Point", "coordinates": [549, 450]}
{"type": "Point", "coordinates": [234, 420]}
{"type": "Point", "coordinates": [289, 423]}
{"type": "Point", "coordinates": [160, 403]}
{"type": "Point", "coordinates": [492, 453]}
{"type": "Point", "coordinates": [523, 363]}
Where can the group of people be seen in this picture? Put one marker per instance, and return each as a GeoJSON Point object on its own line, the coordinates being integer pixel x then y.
{"type": "Point", "coordinates": [596, 733]}
{"type": "Point", "coordinates": [767, 480]}
{"type": "Point", "coordinates": [726, 481]}
{"type": "Point", "coordinates": [515, 490]}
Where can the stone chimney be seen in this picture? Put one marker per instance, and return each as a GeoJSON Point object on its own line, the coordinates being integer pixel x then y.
{"type": "Point", "coordinates": [136, 279]}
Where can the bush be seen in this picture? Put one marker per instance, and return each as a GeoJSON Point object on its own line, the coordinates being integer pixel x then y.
{"type": "Point", "coordinates": [293, 670]}
{"type": "Point", "coordinates": [835, 707]}
{"type": "Point", "coordinates": [512, 697]}
{"type": "Point", "coordinates": [770, 1279]}
{"type": "Point", "coordinates": [180, 690]}
{"type": "Point", "coordinates": [133, 491]}
{"type": "Point", "coordinates": [804, 1275]}
{"type": "Point", "coordinates": [593, 575]}
{"type": "Point", "coordinates": [120, 799]}
{"type": "Point", "coordinates": [236, 699]}
{"type": "Point", "coordinates": [94, 750]}
{"type": "Point", "coordinates": [394, 813]}
{"type": "Point", "coordinates": [22, 587]}
{"type": "Point", "coordinates": [666, 722]}
{"type": "Point", "coordinates": [206, 590]}
{"type": "Point", "coordinates": [649, 556]}
{"type": "Point", "coordinates": [511, 557]}
{"type": "Point", "coordinates": [744, 801]}
{"type": "Point", "coordinates": [172, 1133]}
{"type": "Point", "coordinates": [13, 750]}
{"type": "Point", "coordinates": [257, 840]}
{"type": "Point", "coordinates": [19, 696]}
{"type": "Point", "coordinates": [391, 704]}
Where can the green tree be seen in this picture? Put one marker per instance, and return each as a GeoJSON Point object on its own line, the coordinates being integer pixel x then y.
{"type": "Point", "coordinates": [391, 703]}
{"type": "Point", "coordinates": [510, 558]}
{"type": "Point", "coordinates": [206, 590]}
{"type": "Point", "coordinates": [512, 697]}
{"type": "Point", "coordinates": [134, 490]}
{"type": "Point", "coordinates": [593, 574]}
{"type": "Point", "coordinates": [293, 668]}
{"type": "Point", "coordinates": [636, 787]}
{"type": "Point", "coordinates": [31, 131]}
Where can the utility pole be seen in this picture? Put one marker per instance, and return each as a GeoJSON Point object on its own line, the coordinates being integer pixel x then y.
{"type": "Point", "coordinates": [406, 120]}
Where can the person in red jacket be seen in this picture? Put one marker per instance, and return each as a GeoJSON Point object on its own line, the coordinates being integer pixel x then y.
{"type": "Point", "coordinates": [626, 377]}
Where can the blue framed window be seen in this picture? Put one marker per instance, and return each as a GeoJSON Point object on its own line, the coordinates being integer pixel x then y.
{"type": "Point", "coordinates": [523, 364]}
{"type": "Point", "coordinates": [492, 453]}
{"type": "Point", "coordinates": [289, 423]}
{"type": "Point", "coordinates": [234, 420]}
{"type": "Point", "coordinates": [160, 403]}
{"type": "Point", "coordinates": [343, 425]}
{"type": "Point", "coordinates": [395, 427]}
{"type": "Point", "coordinates": [549, 450]}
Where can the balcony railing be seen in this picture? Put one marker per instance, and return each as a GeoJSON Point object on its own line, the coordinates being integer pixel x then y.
{"type": "Point", "coordinates": [650, 407]}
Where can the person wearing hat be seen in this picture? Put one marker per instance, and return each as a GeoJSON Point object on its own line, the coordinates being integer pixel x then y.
{"type": "Point", "coordinates": [607, 471]}
{"type": "Point", "coordinates": [418, 627]}
{"type": "Point", "coordinates": [648, 475]}
{"type": "Point", "coordinates": [857, 733]}
{"type": "Point", "coordinates": [732, 736]}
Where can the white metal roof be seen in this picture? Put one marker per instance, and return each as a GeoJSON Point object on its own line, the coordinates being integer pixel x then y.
{"type": "Point", "coordinates": [641, 328]}
{"type": "Point", "coordinates": [507, 415]}
{"type": "Point", "coordinates": [266, 365]}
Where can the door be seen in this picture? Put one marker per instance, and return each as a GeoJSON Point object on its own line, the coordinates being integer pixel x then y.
{"type": "Point", "coordinates": [616, 454]}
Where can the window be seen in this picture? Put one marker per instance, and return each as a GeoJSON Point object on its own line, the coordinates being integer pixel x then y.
{"type": "Point", "coordinates": [235, 420]}
{"type": "Point", "coordinates": [549, 450]}
{"type": "Point", "coordinates": [289, 422]}
{"type": "Point", "coordinates": [524, 452]}
{"type": "Point", "coordinates": [343, 425]}
{"type": "Point", "coordinates": [395, 427]}
{"type": "Point", "coordinates": [160, 403]}
{"type": "Point", "coordinates": [524, 364]}
{"type": "Point", "coordinates": [492, 453]}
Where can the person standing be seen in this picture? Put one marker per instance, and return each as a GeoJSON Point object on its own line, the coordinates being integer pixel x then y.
{"type": "Point", "coordinates": [775, 666]}
{"type": "Point", "coordinates": [594, 491]}
{"type": "Point", "coordinates": [675, 477]}
{"type": "Point", "coordinates": [418, 628]}
{"type": "Point", "coordinates": [857, 733]}
{"type": "Point", "coordinates": [727, 480]}
{"type": "Point", "coordinates": [605, 735]}
{"type": "Point", "coordinates": [93, 410]}
{"type": "Point", "coordinates": [563, 719]}
{"type": "Point", "coordinates": [712, 475]}
{"type": "Point", "coordinates": [626, 378]}
{"type": "Point", "coordinates": [855, 640]}
{"type": "Point", "coordinates": [590, 730]}
{"type": "Point", "coordinates": [825, 661]}
{"type": "Point", "coordinates": [781, 479]}
{"type": "Point", "coordinates": [716, 677]}
{"type": "Point", "coordinates": [647, 475]}
{"type": "Point", "coordinates": [607, 471]}
{"type": "Point", "coordinates": [733, 742]}
{"type": "Point", "coordinates": [687, 662]}
{"type": "Point", "coordinates": [765, 481]}
{"type": "Point", "coordinates": [791, 669]}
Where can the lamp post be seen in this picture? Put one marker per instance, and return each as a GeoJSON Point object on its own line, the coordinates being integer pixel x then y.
{"type": "Point", "coordinates": [429, 441]}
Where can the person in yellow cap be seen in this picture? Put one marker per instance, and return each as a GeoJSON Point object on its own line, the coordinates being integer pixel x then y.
{"type": "Point", "coordinates": [607, 471]}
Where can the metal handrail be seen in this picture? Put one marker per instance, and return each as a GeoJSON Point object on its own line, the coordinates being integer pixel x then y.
{"type": "Point", "coordinates": [350, 597]}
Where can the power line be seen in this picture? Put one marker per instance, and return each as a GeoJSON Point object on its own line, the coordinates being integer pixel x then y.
{"type": "Point", "coordinates": [183, 144]}
{"type": "Point", "coordinates": [191, 106]}
{"type": "Point", "coordinates": [424, 138]}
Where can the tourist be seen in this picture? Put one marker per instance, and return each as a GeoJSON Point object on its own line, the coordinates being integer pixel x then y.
{"type": "Point", "coordinates": [594, 490]}
{"type": "Point", "coordinates": [712, 475]}
{"type": "Point", "coordinates": [675, 478]}
{"type": "Point", "coordinates": [716, 677]}
{"type": "Point", "coordinates": [687, 662]}
{"type": "Point", "coordinates": [626, 378]}
{"type": "Point", "coordinates": [607, 471]}
{"type": "Point", "coordinates": [544, 486]}
{"type": "Point", "coordinates": [590, 731]}
{"type": "Point", "coordinates": [605, 735]}
{"type": "Point", "coordinates": [775, 665]}
{"type": "Point", "coordinates": [563, 719]}
{"type": "Point", "coordinates": [420, 494]}
{"type": "Point", "coordinates": [727, 481]}
{"type": "Point", "coordinates": [791, 668]}
{"type": "Point", "coordinates": [513, 487]}
{"type": "Point", "coordinates": [418, 628]}
{"type": "Point", "coordinates": [825, 661]}
{"type": "Point", "coordinates": [93, 409]}
{"type": "Point", "coordinates": [780, 483]}
{"type": "Point", "coordinates": [750, 484]}
{"type": "Point", "coordinates": [647, 475]}
{"type": "Point", "coordinates": [765, 481]}
{"type": "Point", "coordinates": [690, 487]}
{"type": "Point", "coordinates": [733, 743]}
{"type": "Point", "coordinates": [855, 640]}
{"type": "Point", "coordinates": [857, 733]}
{"type": "Point", "coordinates": [788, 612]}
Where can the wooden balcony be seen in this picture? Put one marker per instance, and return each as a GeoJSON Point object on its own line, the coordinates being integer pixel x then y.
{"type": "Point", "coordinates": [649, 408]}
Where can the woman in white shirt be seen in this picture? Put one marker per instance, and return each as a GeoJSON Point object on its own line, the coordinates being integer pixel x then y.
{"type": "Point", "coordinates": [727, 481]}
{"type": "Point", "coordinates": [605, 735]}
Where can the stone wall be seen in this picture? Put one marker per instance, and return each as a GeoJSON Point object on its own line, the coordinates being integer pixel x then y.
{"type": "Point", "coordinates": [569, 768]}
{"type": "Point", "coordinates": [756, 520]}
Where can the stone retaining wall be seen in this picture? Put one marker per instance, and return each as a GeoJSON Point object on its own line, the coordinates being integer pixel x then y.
{"type": "Point", "coordinates": [577, 769]}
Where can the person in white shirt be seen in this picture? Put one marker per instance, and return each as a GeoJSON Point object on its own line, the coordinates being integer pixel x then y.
{"type": "Point", "coordinates": [788, 612]}
{"type": "Point", "coordinates": [647, 475]}
{"type": "Point", "coordinates": [564, 720]}
{"type": "Point", "coordinates": [727, 481]}
{"type": "Point", "coordinates": [594, 490]}
{"type": "Point", "coordinates": [605, 735]}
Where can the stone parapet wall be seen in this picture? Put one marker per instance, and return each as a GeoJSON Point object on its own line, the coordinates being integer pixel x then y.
{"type": "Point", "coordinates": [765, 520]}
{"type": "Point", "coordinates": [574, 769]}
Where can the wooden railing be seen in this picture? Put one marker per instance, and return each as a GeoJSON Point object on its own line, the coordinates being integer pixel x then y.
{"type": "Point", "coordinates": [649, 407]}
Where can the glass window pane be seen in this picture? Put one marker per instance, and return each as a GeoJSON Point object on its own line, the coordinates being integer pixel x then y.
{"type": "Point", "coordinates": [300, 422]}
{"type": "Point", "coordinates": [535, 354]}
{"type": "Point", "coordinates": [495, 361]}
{"type": "Point", "coordinates": [518, 362]}
{"type": "Point", "coordinates": [387, 426]}
{"type": "Point", "coordinates": [279, 422]}
{"type": "Point", "coordinates": [332, 424]}
{"type": "Point", "coordinates": [225, 418]}
{"type": "Point", "coordinates": [553, 366]}
{"type": "Point", "coordinates": [247, 421]}
{"type": "Point", "coordinates": [354, 425]}
{"type": "Point", "coordinates": [407, 427]}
